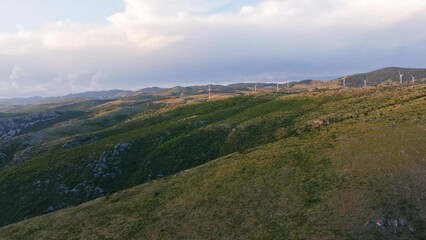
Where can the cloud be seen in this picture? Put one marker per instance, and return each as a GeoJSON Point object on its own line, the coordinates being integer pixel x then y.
{"type": "Point", "coordinates": [16, 73]}
{"type": "Point", "coordinates": [153, 25]}
{"type": "Point", "coordinates": [76, 82]}
{"type": "Point", "coordinates": [19, 43]}
{"type": "Point", "coordinates": [95, 81]}
{"type": "Point", "coordinates": [11, 83]}
{"type": "Point", "coordinates": [20, 83]}
{"type": "Point", "coordinates": [167, 42]}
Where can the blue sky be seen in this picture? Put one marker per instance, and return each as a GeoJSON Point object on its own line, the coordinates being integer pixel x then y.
{"type": "Point", "coordinates": [55, 47]}
{"type": "Point", "coordinates": [33, 14]}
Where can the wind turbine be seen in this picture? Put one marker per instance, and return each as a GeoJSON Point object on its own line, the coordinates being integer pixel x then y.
{"type": "Point", "coordinates": [210, 91]}
{"type": "Point", "coordinates": [400, 77]}
{"type": "Point", "coordinates": [288, 83]}
{"type": "Point", "coordinates": [365, 83]}
{"type": "Point", "coordinates": [278, 87]}
{"type": "Point", "coordinates": [413, 78]}
{"type": "Point", "coordinates": [255, 88]}
{"type": "Point", "coordinates": [344, 81]}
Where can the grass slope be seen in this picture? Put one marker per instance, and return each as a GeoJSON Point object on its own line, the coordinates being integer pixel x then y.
{"type": "Point", "coordinates": [329, 165]}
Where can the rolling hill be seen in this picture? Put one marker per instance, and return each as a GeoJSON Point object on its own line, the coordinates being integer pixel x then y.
{"type": "Point", "coordinates": [388, 75]}
{"type": "Point", "coordinates": [325, 164]}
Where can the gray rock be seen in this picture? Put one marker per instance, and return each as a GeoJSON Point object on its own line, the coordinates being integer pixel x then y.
{"type": "Point", "coordinates": [393, 226]}
{"type": "Point", "coordinates": [11, 127]}
{"type": "Point", "coordinates": [107, 165]}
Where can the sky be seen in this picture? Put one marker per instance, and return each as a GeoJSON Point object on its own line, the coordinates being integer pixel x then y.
{"type": "Point", "coordinates": [56, 47]}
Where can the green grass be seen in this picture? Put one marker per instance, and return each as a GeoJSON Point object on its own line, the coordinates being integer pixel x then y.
{"type": "Point", "coordinates": [264, 171]}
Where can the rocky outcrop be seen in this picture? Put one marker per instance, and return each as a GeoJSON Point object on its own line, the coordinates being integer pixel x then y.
{"type": "Point", "coordinates": [78, 142]}
{"type": "Point", "coordinates": [393, 228]}
{"type": "Point", "coordinates": [11, 127]}
{"type": "Point", "coordinates": [108, 163]}
{"type": "Point", "coordinates": [24, 155]}
{"type": "Point", "coordinates": [102, 172]}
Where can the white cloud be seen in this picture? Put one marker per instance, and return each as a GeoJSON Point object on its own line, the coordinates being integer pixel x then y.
{"type": "Point", "coordinates": [75, 82]}
{"type": "Point", "coordinates": [20, 83]}
{"type": "Point", "coordinates": [11, 83]}
{"type": "Point", "coordinates": [16, 73]}
{"type": "Point", "coordinates": [14, 84]}
{"type": "Point", "coordinates": [95, 81]}
{"type": "Point", "coordinates": [75, 38]}
{"type": "Point", "coordinates": [156, 24]}
{"type": "Point", "coordinates": [21, 42]}
{"type": "Point", "coordinates": [174, 40]}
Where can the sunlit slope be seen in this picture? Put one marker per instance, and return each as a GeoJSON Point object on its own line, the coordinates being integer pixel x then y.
{"type": "Point", "coordinates": [343, 165]}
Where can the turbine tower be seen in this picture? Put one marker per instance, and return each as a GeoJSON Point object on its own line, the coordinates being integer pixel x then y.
{"type": "Point", "coordinates": [344, 81]}
{"type": "Point", "coordinates": [365, 83]}
{"type": "Point", "coordinates": [400, 77]}
{"type": "Point", "coordinates": [255, 88]}
{"type": "Point", "coordinates": [288, 83]}
{"type": "Point", "coordinates": [278, 87]}
{"type": "Point", "coordinates": [413, 79]}
{"type": "Point", "coordinates": [210, 91]}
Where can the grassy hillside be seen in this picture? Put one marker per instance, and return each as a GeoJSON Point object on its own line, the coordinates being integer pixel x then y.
{"type": "Point", "coordinates": [68, 171]}
{"type": "Point", "coordinates": [323, 165]}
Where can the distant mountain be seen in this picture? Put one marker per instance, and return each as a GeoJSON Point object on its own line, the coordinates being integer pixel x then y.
{"type": "Point", "coordinates": [385, 75]}
{"type": "Point", "coordinates": [150, 90]}
{"type": "Point", "coordinates": [25, 101]}
{"type": "Point", "coordinates": [98, 95]}
{"type": "Point", "coordinates": [382, 76]}
{"type": "Point", "coordinates": [94, 95]}
{"type": "Point", "coordinates": [249, 86]}
{"type": "Point", "coordinates": [179, 91]}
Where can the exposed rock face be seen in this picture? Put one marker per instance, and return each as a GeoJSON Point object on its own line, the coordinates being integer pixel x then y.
{"type": "Point", "coordinates": [11, 127]}
{"type": "Point", "coordinates": [392, 227]}
{"type": "Point", "coordinates": [104, 169]}
{"type": "Point", "coordinates": [23, 155]}
{"type": "Point", "coordinates": [108, 163]}
{"type": "Point", "coordinates": [78, 142]}
{"type": "Point", "coordinates": [317, 123]}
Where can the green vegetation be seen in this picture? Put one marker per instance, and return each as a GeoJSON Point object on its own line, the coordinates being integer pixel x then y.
{"type": "Point", "coordinates": [313, 165]}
